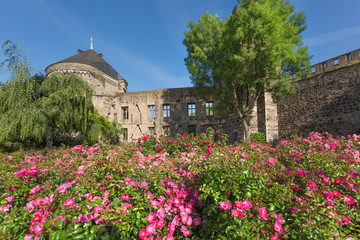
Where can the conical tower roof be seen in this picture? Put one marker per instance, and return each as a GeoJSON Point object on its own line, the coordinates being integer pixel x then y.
{"type": "Point", "coordinates": [90, 57]}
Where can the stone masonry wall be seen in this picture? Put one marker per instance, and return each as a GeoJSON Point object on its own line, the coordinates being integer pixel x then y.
{"type": "Point", "coordinates": [139, 122]}
{"type": "Point", "coordinates": [327, 101]}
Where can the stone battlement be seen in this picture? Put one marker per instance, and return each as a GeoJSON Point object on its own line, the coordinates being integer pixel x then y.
{"type": "Point", "coordinates": [331, 64]}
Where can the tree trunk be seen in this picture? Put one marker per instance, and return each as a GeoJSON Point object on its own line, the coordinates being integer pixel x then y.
{"type": "Point", "coordinates": [246, 129]}
{"type": "Point", "coordinates": [50, 136]}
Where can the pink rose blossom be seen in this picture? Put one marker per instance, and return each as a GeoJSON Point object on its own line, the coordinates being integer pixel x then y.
{"type": "Point", "coordinates": [225, 206]}
{"type": "Point", "coordinates": [271, 162]}
{"type": "Point", "coordinates": [30, 206]}
{"type": "Point", "coordinates": [151, 229]}
{"type": "Point", "coordinates": [142, 233]}
{"type": "Point", "coordinates": [185, 231]}
{"type": "Point", "coordinates": [69, 202]}
{"type": "Point", "coordinates": [278, 228]}
{"type": "Point", "coordinates": [311, 184]}
{"type": "Point", "coordinates": [197, 221]}
{"type": "Point", "coordinates": [151, 217]}
{"type": "Point", "coordinates": [143, 185]}
{"type": "Point", "coordinates": [348, 199]}
{"type": "Point", "coordinates": [35, 189]}
{"type": "Point", "coordinates": [247, 204]}
{"type": "Point", "coordinates": [9, 199]}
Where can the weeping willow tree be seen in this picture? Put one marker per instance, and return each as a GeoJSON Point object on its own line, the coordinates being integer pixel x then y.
{"type": "Point", "coordinates": [33, 108]}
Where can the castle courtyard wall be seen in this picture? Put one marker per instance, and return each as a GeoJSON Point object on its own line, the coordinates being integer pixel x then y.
{"type": "Point", "coordinates": [327, 101]}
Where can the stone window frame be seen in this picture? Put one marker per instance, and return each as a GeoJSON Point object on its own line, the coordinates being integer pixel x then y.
{"type": "Point", "coordinates": [152, 131]}
{"type": "Point", "coordinates": [167, 130]}
{"type": "Point", "coordinates": [191, 107]}
{"type": "Point", "coordinates": [125, 134]}
{"type": "Point", "coordinates": [152, 111]}
{"type": "Point", "coordinates": [125, 113]}
{"type": "Point", "coordinates": [166, 110]}
{"type": "Point", "coordinates": [209, 109]}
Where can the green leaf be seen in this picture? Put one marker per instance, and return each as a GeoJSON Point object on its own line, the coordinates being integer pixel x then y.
{"type": "Point", "coordinates": [58, 224]}
{"type": "Point", "coordinates": [115, 202]}
{"type": "Point", "coordinates": [88, 224]}
{"type": "Point", "coordinates": [79, 236]}
{"type": "Point", "coordinates": [78, 230]}
{"type": "Point", "coordinates": [85, 210]}
{"type": "Point", "coordinates": [47, 224]}
{"type": "Point", "coordinates": [93, 229]}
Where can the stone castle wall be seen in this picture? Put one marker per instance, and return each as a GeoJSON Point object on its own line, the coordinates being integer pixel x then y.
{"type": "Point", "coordinates": [139, 121]}
{"type": "Point", "coordinates": [327, 101]}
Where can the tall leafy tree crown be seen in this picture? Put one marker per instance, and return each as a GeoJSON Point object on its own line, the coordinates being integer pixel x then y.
{"type": "Point", "coordinates": [256, 48]}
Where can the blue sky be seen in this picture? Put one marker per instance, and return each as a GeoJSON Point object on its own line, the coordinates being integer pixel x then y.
{"type": "Point", "coordinates": [142, 40]}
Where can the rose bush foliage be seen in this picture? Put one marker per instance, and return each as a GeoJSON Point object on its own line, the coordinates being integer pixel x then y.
{"type": "Point", "coordinates": [190, 187]}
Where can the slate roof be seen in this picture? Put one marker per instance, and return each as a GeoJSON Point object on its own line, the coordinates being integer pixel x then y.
{"type": "Point", "coordinates": [90, 57]}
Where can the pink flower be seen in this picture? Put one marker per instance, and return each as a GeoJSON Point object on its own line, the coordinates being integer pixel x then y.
{"type": "Point", "coordinates": [151, 217]}
{"type": "Point", "coordinates": [127, 180]}
{"type": "Point", "coordinates": [238, 204]}
{"type": "Point", "coordinates": [142, 233]}
{"type": "Point", "coordinates": [247, 204]}
{"type": "Point", "coordinates": [151, 229]}
{"type": "Point", "coordinates": [177, 201]}
{"type": "Point", "coordinates": [225, 206]}
{"type": "Point", "coordinates": [34, 167]}
{"type": "Point", "coordinates": [143, 185]}
{"type": "Point", "coordinates": [197, 221]}
{"type": "Point", "coordinates": [348, 199]}
{"type": "Point", "coordinates": [106, 194]}
{"type": "Point", "coordinates": [125, 197]}
{"type": "Point", "coordinates": [339, 180]}
{"type": "Point", "coordinates": [236, 213]}
{"type": "Point", "coordinates": [169, 191]}
{"type": "Point", "coordinates": [9, 199]}
{"type": "Point", "coordinates": [69, 202]}
{"type": "Point", "coordinates": [278, 228]}
{"type": "Point", "coordinates": [38, 201]}
{"type": "Point", "coordinates": [27, 237]}
{"type": "Point", "coordinates": [169, 237]}
{"type": "Point", "coordinates": [274, 237]}
{"type": "Point", "coordinates": [30, 206]}
{"type": "Point", "coordinates": [38, 229]}
{"type": "Point", "coordinates": [185, 231]}
{"type": "Point", "coordinates": [311, 184]}
{"type": "Point", "coordinates": [336, 194]}
{"type": "Point", "coordinates": [326, 180]}
{"type": "Point", "coordinates": [187, 220]}
{"type": "Point", "coordinates": [271, 161]}
{"type": "Point", "coordinates": [35, 189]}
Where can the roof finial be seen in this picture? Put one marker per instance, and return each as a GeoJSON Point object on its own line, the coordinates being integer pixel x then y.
{"type": "Point", "coordinates": [91, 43]}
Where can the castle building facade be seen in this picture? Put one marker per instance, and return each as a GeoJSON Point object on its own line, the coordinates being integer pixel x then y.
{"type": "Point", "coordinates": [329, 100]}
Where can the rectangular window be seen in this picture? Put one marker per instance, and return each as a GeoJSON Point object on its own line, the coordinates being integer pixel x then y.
{"type": "Point", "coordinates": [192, 129]}
{"type": "Point", "coordinates": [125, 113]}
{"type": "Point", "coordinates": [348, 57]}
{"type": "Point", "coordinates": [125, 134]}
{"type": "Point", "coordinates": [152, 111]}
{"type": "Point", "coordinates": [336, 61]}
{"type": "Point", "coordinates": [167, 131]}
{"type": "Point", "coordinates": [191, 110]}
{"type": "Point", "coordinates": [166, 108]}
{"type": "Point", "coordinates": [152, 131]}
{"type": "Point", "coordinates": [209, 109]}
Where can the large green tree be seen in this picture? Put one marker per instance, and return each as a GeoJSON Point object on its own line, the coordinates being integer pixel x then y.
{"type": "Point", "coordinates": [36, 108]}
{"type": "Point", "coordinates": [256, 49]}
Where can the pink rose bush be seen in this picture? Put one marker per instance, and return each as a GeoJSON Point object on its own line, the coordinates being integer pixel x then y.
{"type": "Point", "coordinates": [190, 187]}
